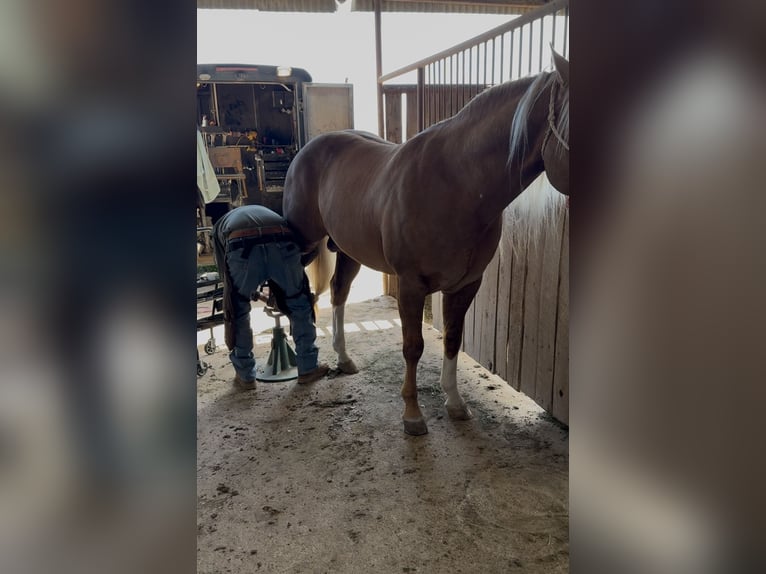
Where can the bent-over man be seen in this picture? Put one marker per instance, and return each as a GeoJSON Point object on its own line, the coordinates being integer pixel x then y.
{"type": "Point", "coordinates": [253, 245]}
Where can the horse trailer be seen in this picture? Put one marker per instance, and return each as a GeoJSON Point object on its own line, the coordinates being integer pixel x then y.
{"type": "Point", "coordinates": [254, 119]}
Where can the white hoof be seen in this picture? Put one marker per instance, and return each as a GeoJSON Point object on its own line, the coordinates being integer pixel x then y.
{"type": "Point", "coordinates": [459, 412]}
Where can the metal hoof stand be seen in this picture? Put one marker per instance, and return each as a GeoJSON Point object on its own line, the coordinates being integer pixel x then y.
{"type": "Point", "coordinates": [282, 364]}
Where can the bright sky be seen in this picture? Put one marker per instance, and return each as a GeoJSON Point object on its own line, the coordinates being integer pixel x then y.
{"type": "Point", "coordinates": [333, 48]}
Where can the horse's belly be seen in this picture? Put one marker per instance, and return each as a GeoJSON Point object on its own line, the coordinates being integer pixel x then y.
{"type": "Point", "coordinates": [366, 250]}
{"type": "Point", "coordinates": [355, 228]}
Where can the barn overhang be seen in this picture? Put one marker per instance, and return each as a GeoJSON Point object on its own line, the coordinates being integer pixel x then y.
{"type": "Point", "coordinates": [448, 6]}
{"type": "Point", "coordinates": [421, 6]}
{"type": "Point", "coordinates": [270, 5]}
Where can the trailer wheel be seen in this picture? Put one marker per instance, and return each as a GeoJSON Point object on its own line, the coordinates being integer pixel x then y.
{"type": "Point", "coordinates": [210, 346]}
{"type": "Point", "coordinates": [202, 368]}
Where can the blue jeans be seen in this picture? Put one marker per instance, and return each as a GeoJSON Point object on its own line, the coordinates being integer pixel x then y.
{"type": "Point", "coordinates": [281, 263]}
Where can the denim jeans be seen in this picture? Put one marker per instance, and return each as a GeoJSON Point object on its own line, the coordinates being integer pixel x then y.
{"type": "Point", "coordinates": [281, 263]}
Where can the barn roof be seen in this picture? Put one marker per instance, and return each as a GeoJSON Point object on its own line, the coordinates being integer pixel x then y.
{"type": "Point", "coordinates": [448, 6]}
{"type": "Point", "coordinates": [271, 5]}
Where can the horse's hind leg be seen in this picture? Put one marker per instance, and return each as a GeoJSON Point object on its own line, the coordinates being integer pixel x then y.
{"type": "Point", "coordinates": [454, 307]}
{"type": "Point", "coordinates": [411, 301]}
{"type": "Point", "coordinates": [340, 285]}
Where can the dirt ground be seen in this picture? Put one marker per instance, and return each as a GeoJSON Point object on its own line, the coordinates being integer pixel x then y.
{"type": "Point", "coordinates": [322, 479]}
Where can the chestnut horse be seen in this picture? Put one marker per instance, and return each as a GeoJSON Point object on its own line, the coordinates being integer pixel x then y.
{"type": "Point", "coordinates": [429, 210]}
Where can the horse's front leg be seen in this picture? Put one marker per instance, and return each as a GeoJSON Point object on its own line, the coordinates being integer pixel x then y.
{"type": "Point", "coordinates": [411, 302]}
{"type": "Point", "coordinates": [346, 269]}
{"type": "Point", "coordinates": [454, 308]}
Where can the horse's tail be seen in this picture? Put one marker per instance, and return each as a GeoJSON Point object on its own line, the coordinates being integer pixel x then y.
{"type": "Point", "coordinates": [321, 268]}
{"type": "Point", "coordinates": [526, 217]}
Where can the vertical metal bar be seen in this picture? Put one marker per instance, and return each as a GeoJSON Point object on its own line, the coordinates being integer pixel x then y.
{"type": "Point", "coordinates": [476, 83]}
{"type": "Point", "coordinates": [439, 95]}
{"type": "Point", "coordinates": [428, 96]}
{"type": "Point", "coordinates": [502, 58]}
{"type": "Point", "coordinates": [529, 55]}
{"type": "Point", "coordinates": [434, 94]}
{"type": "Point", "coordinates": [493, 61]}
{"type": "Point", "coordinates": [379, 66]}
{"type": "Point", "coordinates": [456, 82]}
{"type": "Point", "coordinates": [555, 18]}
{"type": "Point", "coordinates": [566, 33]}
{"type": "Point", "coordinates": [540, 55]}
{"type": "Point", "coordinates": [484, 82]}
{"type": "Point", "coordinates": [450, 85]}
{"type": "Point", "coordinates": [463, 82]}
{"type": "Point", "coordinates": [445, 113]}
{"type": "Point", "coordinates": [439, 111]}
{"type": "Point", "coordinates": [440, 68]}
{"type": "Point", "coordinates": [511, 60]}
{"type": "Point", "coordinates": [445, 88]}
{"type": "Point", "coordinates": [421, 99]}
{"type": "Point", "coordinates": [425, 96]}
{"type": "Point", "coordinates": [470, 72]}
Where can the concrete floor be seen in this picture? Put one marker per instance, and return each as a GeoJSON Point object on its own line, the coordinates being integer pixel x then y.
{"type": "Point", "coordinates": [322, 478]}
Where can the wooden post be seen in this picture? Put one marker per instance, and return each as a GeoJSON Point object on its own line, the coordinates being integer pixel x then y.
{"type": "Point", "coordinates": [412, 114]}
{"type": "Point", "coordinates": [393, 107]}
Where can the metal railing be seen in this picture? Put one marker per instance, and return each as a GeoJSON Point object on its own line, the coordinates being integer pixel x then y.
{"type": "Point", "coordinates": [448, 80]}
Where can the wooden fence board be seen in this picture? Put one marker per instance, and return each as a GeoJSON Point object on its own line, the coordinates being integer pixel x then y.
{"type": "Point", "coordinates": [468, 327]}
{"type": "Point", "coordinates": [546, 337]}
{"type": "Point", "coordinates": [393, 286]}
{"type": "Point", "coordinates": [503, 311]}
{"type": "Point", "coordinates": [531, 317]}
{"type": "Point", "coordinates": [394, 117]}
{"type": "Point", "coordinates": [487, 334]}
{"type": "Point", "coordinates": [479, 305]}
{"type": "Point", "coordinates": [412, 114]}
{"type": "Point", "coordinates": [560, 408]}
{"type": "Point", "coordinates": [516, 317]}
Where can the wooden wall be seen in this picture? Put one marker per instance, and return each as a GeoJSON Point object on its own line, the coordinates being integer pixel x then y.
{"type": "Point", "coordinates": [518, 324]}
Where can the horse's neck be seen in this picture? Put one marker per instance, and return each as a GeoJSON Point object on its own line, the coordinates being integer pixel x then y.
{"type": "Point", "coordinates": [494, 180]}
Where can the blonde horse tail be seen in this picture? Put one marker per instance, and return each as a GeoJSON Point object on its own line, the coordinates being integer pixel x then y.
{"type": "Point", "coordinates": [525, 219]}
{"type": "Point", "coordinates": [321, 269]}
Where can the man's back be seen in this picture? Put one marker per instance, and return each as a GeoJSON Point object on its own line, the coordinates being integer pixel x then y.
{"type": "Point", "coordinates": [247, 217]}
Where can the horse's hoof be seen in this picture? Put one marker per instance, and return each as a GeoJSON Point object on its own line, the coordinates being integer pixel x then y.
{"type": "Point", "coordinates": [459, 412]}
{"type": "Point", "coordinates": [415, 428]}
{"type": "Point", "coordinates": [348, 367]}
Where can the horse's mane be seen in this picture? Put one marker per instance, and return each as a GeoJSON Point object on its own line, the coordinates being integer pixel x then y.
{"type": "Point", "coordinates": [519, 141]}
{"type": "Point", "coordinates": [562, 119]}
{"type": "Point", "coordinates": [487, 100]}
{"type": "Point", "coordinates": [533, 86]}
{"type": "Point", "coordinates": [525, 216]}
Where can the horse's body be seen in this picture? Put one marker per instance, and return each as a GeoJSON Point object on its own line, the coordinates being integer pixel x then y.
{"type": "Point", "coordinates": [428, 211]}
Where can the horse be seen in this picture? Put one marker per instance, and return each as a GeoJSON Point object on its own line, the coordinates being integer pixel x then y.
{"type": "Point", "coordinates": [429, 210]}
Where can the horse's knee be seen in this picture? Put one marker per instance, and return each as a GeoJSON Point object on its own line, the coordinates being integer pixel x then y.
{"type": "Point", "coordinates": [413, 349]}
{"type": "Point", "coordinates": [340, 287]}
{"type": "Point", "coordinates": [452, 341]}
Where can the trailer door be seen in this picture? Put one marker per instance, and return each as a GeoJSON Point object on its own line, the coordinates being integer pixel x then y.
{"type": "Point", "coordinates": [327, 108]}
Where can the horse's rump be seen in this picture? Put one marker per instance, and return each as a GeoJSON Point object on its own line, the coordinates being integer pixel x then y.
{"type": "Point", "coordinates": [330, 190]}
